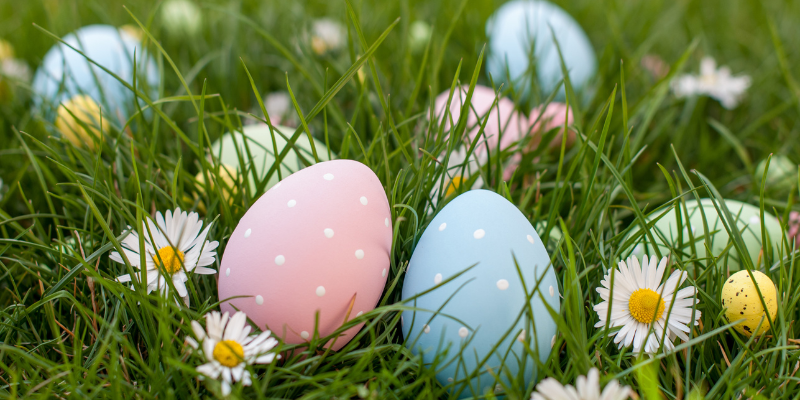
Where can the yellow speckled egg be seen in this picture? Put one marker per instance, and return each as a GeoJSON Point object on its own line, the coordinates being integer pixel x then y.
{"type": "Point", "coordinates": [84, 109]}
{"type": "Point", "coordinates": [740, 300]}
{"type": "Point", "coordinates": [227, 176]}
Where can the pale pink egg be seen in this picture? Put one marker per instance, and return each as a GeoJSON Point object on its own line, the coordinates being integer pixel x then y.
{"type": "Point", "coordinates": [514, 125]}
{"type": "Point", "coordinates": [309, 245]}
{"type": "Point", "coordinates": [553, 116]}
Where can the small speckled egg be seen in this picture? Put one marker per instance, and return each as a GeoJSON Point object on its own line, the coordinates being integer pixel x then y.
{"type": "Point", "coordinates": [480, 308]}
{"type": "Point", "coordinates": [741, 301]}
{"type": "Point", "coordinates": [64, 73]}
{"type": "Point", "coordinates": [520, 24]}
{"type": "Point", "coordinates": [261, 155]}
{"type": "Point", "coordinates": [748, 221]}
{"type": "Point", "coordinates": [503, 117]}
{"type": "Point", "coordinates": [314, 243]}
{"type": "Point", "coordinates": [782, 175]}
{"type": "Point", "coordinates": [78, 120]}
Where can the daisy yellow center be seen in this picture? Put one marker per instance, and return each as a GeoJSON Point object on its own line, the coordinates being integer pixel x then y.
{"type": "Point", "coordinates": [646, 305]}
{"type": "Point", "coordinates": [453, 185]}
{"type": "Point", "coordinates": [229, 353]}
{"type": "Point", "coordinates": [171, 257]}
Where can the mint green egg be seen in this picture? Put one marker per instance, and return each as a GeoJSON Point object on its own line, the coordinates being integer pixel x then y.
{"type": "Point", "coordinates": [748, 222]}
{"type": "Point", "coordinates": [260, 146]}
{"type": "Point", "coordinates": [782, 175]}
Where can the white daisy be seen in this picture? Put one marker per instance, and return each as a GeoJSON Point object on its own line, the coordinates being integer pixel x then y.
{"type": "Point", "coordinates": [327, 35]}
{"type": "Point", "coordinates": [639, 299]}
{"type": "Point", "coordinates": [586, 388]}
{"type": "Point", "coordinates": [229, 348]}
{"type": "Point", "coordinates": [177, 247]}
{"type": "Point", "coordinates": [458, 171]}
{"type": "Point", "coordinates": [713, 82]}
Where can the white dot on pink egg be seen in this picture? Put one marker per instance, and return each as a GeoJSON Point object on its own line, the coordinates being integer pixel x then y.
{"type": "Point", "coordinates": [328, 177]}
{"type": "Point", "coordinates": [304, 335]}
{"type": "Point", "coordinates": [386, 222]}
{"type": "Point", "coordinates": [363, 200]}
{"type": "Point", "coordinates": [328, 233]}
{"type": "Point", "coordinates": [247, 233]}
{"type": "Point", "coordinates": [291, 203]}
{"type": "Point", "coordinates": [359, 254]}
{"type": "Point", "coordinates": [383, 274]}
{"type": "Point", "coordinates": [259, 300]}
{"type": "Point", "coordinates": [360, 313]}
{"type": "Point", "coordinates": [321, 291]}
{"type": "Point", "coordinates": [228, 272]}
{"type": "Point", "coordinates": [279, 260]}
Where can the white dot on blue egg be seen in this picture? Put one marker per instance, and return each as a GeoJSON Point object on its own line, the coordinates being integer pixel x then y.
{"type": "Point", "coordinates": [502, 284]}
{"type": "Point", "coordinates": [437, 279]}
{"type": "Point", "coordinates": [463, 332]}
{"type": "Point", "coordinates": [479, 234]}
{"type": "Point", "coordinates": [442, 226]}
{"type": "Point", "coordinates": [552, 291]}
{"type": "Point", "coordinates": [521, 337]}
{"type": "Point", "coordinates": [426, 329]}
{"type": "Point", "coordinates": [530, 239]}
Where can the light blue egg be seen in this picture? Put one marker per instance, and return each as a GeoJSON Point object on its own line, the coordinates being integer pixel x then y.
{"type": "Point", "coordinates": [476, 309]}
{"type": "Point", "coordinates": [518, 25]}
{"type": "Point", "coordinates": [64, 73]}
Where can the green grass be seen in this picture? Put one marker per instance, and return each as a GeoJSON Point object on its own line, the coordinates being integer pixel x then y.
{"type": "Point", "coordinates": [68, 330]}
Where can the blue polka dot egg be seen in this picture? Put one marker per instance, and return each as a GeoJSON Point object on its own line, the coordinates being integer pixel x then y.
{"type": "Point", "coordinates": [472, 281]}
{"type": "Point", "coordinates": [519, 25]}
{"type": "Point", "coordinates": [65, 74]}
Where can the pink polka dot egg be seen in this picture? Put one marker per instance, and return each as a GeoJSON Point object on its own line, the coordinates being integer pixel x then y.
{"type": "Point", "coordinates": [315, 243]}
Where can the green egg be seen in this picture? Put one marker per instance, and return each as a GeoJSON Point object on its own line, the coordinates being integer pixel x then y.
{"type": "Point", "coordinates": [781, 177]}
{"type": "Point", "coordinates": [260, 146]}
{"type": "Point", "coordinates": [748, 222]}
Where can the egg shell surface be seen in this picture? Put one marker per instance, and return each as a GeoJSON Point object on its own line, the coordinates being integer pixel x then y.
{"type": "Point", "coordinates": [748, 222]}
{"type": "Point", "coordinates": [781, 176]}
{"type": "Point", "coordinates": [310, 244]}
{"type": "Point", "coordinates": [258, 139]}
{"type": "Point", "coordinates": [108, 46]}
{"type": "Point", "coordinates": [503, 117]}
{"type": "Point", "coordinates": [520, 24]}
{"type": "Point", "coordinates": [741, 301]}
{"type": "Point", "coordinates": [479, 227]}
